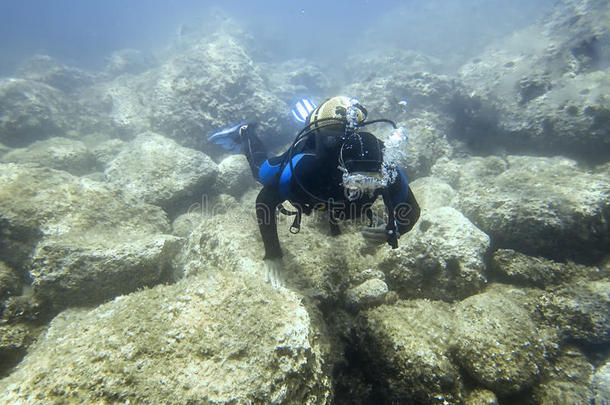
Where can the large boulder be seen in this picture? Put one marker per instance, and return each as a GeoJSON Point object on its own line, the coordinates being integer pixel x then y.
{"type": "Point", "coordinates": [129, 61]}
{"type": "Point", "coordinates": [543, 88]}
{"type": "Point", "coordinates": [297, 78]}
{"type": "Point", "coordinates": [601, 384]}
{"type": "Point", "coordinates": [158, 171]}
{"type": "Point", "coordinates": [229, 338]}
{"type": "Point", "coordinates": [210, 85]}
{"type": "Point", "coordinates": [581, 310]}
{"type": "Point", "coordinates": [77, 240]}
{"type": "Point", "coordinates": [234, 176]}
{"type": "Point", "coordinates": [539, 206]}
{"type": "Point", "coordinates": [57, 153]}
{"type": "Point", "coordinates": [31, 111]}
{"type": "Point", "coordinates": [442, 258]}
{"type": "Point", "coordinates": [498, 343]}
{"type": "Point", "coordinates": [407, 349]}
{"type": "Point", "coordinates": [10, 284]}
{"type": "Point", "coordinates": [47, 70]}
{"type": "Point", "coordinates": [512, 267]}
{"type": "Point", "coordinates": [567, 381]}
{"type": "Point", "coordinates": [220, 234]}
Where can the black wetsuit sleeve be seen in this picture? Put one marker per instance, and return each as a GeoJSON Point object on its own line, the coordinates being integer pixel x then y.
{"type": "Point", "coordinates": [403, 204]}
{"type": "Point", "coordinates": [266, 202]}
{"type": "Point", "coordinates": [407, 213]}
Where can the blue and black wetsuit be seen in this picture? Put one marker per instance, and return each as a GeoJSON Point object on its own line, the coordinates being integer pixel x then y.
{"type": "Point", "coordinates": [308, 177]}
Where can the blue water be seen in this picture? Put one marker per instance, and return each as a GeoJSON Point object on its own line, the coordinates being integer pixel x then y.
{"type": "Point", "coordinates": [84, 33]}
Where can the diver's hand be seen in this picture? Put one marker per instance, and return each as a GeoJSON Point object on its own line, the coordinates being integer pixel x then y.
{"type": "Point", "coordinates": [273, 272]}
{"type": "Point", "coordinates": [375, 235]}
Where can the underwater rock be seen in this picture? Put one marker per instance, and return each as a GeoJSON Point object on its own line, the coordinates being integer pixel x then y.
{"type": "Point", "coordinates": [543, 89]}
{"type": "Point", "coordinates": [56, 153]}
{"type": "Point", "coordinates": [224, 237]}
{"type": "Point", "coordinates": [481, 396]}
{"type": "Point", "coordinates": [426, 144]}
{"type": "Point", "coordinates": [370, 292]}
{"type": "Point", "coordinates": [295, 79]}
{"type": "Point", "coordinates": [601, 385]}
{"type": "Point", "coordinates": [365, 66]}
{"type": "Point", "coordinates": [425, 93]}
{"type": "Point", "coordinates": [210, 85]}
{"type": "Point", "coordinates": [442, 258]}
{"type": "Point", "coordinates": [498, 343]}
{"type": "Point", "coordinates": [131, 61]}
{"type": "Point", "coordinates": [14, 340]}
{"type": "Point", "coordinates": [432, 193]}
{"type": "Point", "coordinates": [128, 109]}
{"type": "Point", "coordinates": [9, 282]}
{"type": "Point", "coordinates": [234, 176]}
{"type": "Point", "coordinates": [31, 111]}
{"type": "Point", "coordinates": [567, 381]}
{"type": "Point", "coordinates": [406, 346]}
{"type": "Point", "coordinates": [539, 206]}
{"type": "Point", "coordinates": [513, 267]}
{"type": "Point", "coordinates": [4, 149]}
{"type": "Point", "coordinates": [106, 151]}
{"type": "Point", "coordinates": [158, 171]}
{"type": "Point", "coordinates": [47, 70]}
{"type": "Point", "coordinates": [581, 310]}
{"type": "Point", "coordinates": [230, 338]}
{"type": "Point", "coordinates": [77, 271]}
{"type": "Point", "coordinates": [79, 238]}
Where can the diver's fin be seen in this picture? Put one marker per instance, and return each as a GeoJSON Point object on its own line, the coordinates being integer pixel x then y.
{"type": "Point", "coordinates": [302, 109]}
{"type": "Point", "coordinates": [229, 138]}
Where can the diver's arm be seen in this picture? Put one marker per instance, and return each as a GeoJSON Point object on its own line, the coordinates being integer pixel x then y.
{"type": "Point", "coordinates": [407, 213]}
{"type": "Point", "coordinates": [402, 203]}
{"type": "Point", "coordinates": [266, 202]}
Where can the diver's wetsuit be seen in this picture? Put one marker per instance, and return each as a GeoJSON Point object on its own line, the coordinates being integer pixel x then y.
{"type": "Point", "coordinates": [313, 181]}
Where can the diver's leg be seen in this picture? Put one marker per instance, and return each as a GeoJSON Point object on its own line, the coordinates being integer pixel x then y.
{"type": "Point", "coordinates": [253, 148]}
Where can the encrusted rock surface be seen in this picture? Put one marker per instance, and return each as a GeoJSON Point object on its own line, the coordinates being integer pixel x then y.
{"type": "Point", "coordinates": [601, 384]}
{"type": "Point", "coordinates": [407, 347]}
{"type": "Point", "coordinates": [50, 71]}
{"type": "Point", "coordinates": [442, 258]}
{"type": "Point", "coordinates": [158, 171]}
{"type": "Point", "coordinates": [541, 206]}
{"type": "Point", "coordinates": [31, 111]}
{"type": "Point", "coordinates": [369, 292]}
{"type": "Point", "coordinates": [234, 176]}
{"type": "Point", "coordinates": [76, 239]}
{"type": "Point", "coordinates": [544, 88]}
{"type": "Point", "coordinates": [212, 85]}
{"type": "Point", "coordinates": [56, 153]}
{"type": "Point", "coordinates": [230, 338]}
{"type": "Point", "coordinates": [516, 268]}
{"type": "Point", "coordinates": [581, 310]}
{"type": "Point", "coordinates": [498, 343]}
{"type": "Point", "coordinates": [567, 381]}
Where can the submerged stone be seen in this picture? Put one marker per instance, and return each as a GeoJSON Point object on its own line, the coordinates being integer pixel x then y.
{"type": "Point", "coordinates": [158, 171]}
{"type": "Point", "coordinates": [227, 339]}
{"type": "Point", "coordinates": [539, 206]}
{"type": "Point", "coordinates": [441, 258]}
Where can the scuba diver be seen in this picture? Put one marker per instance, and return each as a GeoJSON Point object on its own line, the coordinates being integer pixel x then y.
{"type": "Point", "coordinates": [333, 165]}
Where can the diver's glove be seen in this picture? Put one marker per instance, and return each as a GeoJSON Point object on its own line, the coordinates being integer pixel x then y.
{"type": "Point", "coordinates": [379, 232]}
{"type": "Point", "coordinates": [274, 269]}
{"type": "Point", "coordinates": [375, 235]}
{"type": "Point", "coordinates": [230, 139]}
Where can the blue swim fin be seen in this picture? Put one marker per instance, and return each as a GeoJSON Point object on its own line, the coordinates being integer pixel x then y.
{"type": "Point", "coordinates": [229, 138]}
{"type": "Point", "coordinates": [302, 109]}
